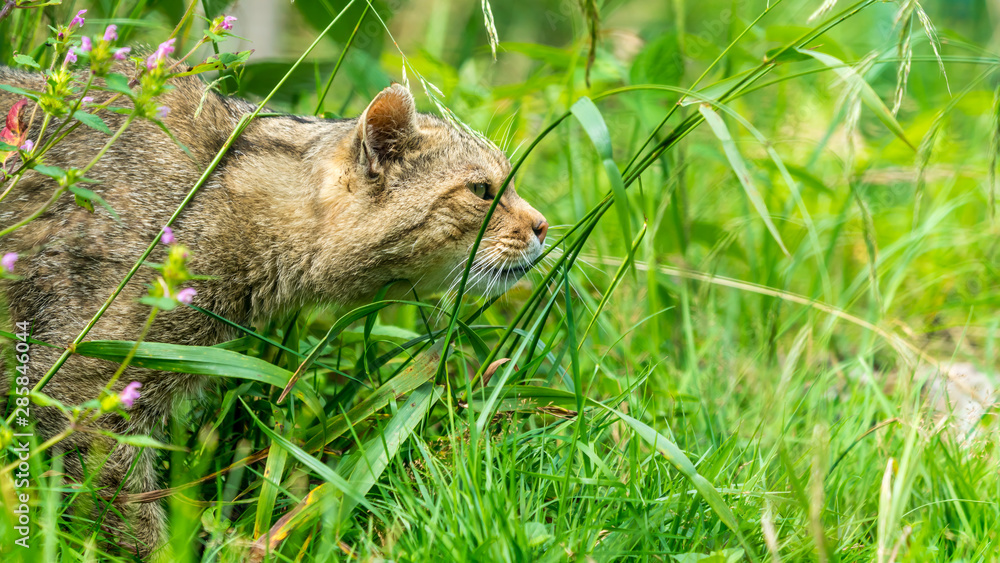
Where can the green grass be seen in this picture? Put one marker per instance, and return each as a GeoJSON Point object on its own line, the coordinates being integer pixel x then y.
{"type": "Point", "coordinates": [753, 384]}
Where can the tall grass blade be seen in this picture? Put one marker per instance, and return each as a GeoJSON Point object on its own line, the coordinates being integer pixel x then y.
{"type": "Point", "coordinates": [197, 360]}
{"type": "Point", "coordinates": [382, 447]}
{"type": "Point", "coordinates": [740, 169]}
{"type": "Point", "coordinates": [271, 481]}
{"type": "Point", "coordinates": [593, 123]}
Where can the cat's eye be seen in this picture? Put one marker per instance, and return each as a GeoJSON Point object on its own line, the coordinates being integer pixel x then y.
{"type": "Point", "coordinates": [481, 190]}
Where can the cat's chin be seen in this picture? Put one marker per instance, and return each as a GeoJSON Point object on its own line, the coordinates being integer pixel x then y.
{"type": "Point", "coordinates": [498, 280]}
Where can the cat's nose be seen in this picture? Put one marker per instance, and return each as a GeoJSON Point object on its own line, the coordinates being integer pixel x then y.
{"type": "Point", "coordinates": [541, 227]}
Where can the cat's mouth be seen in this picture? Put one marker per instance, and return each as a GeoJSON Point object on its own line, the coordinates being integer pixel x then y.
{"type": "Point", "coordinates": [516, 270]}
{"type": "Point", "coordinates": [501, 277]}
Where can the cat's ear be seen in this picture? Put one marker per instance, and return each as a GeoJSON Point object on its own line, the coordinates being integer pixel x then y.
{"type": "Point", "coordinates": [387, 127]}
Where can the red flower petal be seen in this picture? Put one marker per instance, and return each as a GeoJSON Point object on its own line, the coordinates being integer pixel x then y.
{"type": "Point", "coordinates": [16, 130]}
{"type": "Point", "coordinates": [15, 117]}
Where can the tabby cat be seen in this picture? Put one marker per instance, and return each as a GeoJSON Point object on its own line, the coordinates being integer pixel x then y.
{"type": "Point", "coordinates": [299, 211]}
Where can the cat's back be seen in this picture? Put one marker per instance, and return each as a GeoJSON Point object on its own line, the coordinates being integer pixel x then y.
{"type": "Point", "coordinates": [76, 255]}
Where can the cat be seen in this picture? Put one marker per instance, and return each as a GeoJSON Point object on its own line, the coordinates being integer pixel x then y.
{"type": "Point", "coordinates": [301, 210]}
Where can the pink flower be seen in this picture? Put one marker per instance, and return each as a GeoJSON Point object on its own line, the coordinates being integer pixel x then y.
{"type": "Point", "coordinates": [70, 58]}
{"type": "Point", "coordinates": [130, 393]}
{"type": "Point", "coordinates": [27, 146]}
{"type": "Point", "coordinates": [186, 295]}
{"type": "Point", "coordinates": [111, 33]}
{"type": "Point", "coordinates": [166, 48]}
{"type": "Point", "coordinates": [78, 20]}
{"type": "Point", "coordinates": [86, 99]}
{"type": "Point", "coordinates": [168, 236]}
{"type": "Point", "coordinates": [8, 261]}
{"type": "Point", "coordinates": [221, 24]}
{"type": "Point", "coordinates": [120, 54]}
{"type": "Point", "coordinates": [162, 52]}
{"type": "Point", "coordinates": [162, 112]}
{"type": "Point", "coordinates": [86, 44]}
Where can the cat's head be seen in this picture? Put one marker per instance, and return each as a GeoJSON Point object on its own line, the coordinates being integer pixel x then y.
{"type": "Point", "coordinates": [427, 186]}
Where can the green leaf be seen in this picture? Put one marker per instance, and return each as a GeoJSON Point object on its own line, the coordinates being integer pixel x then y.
{"type": "Point", "coordinates": [141, 441]}
{"type": "Point", "coordinates": [84, 203]}
{"type": "Point", "coordinates": [222, 61]}
{"type": "Point", "coordinates": [718, 127]}
{"type": "Point", "coordinates": [20, 91]}
{"type": "Point", "coordinates": [783, 55]}
{"type": "Point", "coordinates": [13, 337]}
{"type": "Point", "coordinates": [89, 196]}
{"type": "Point", "coordinates": [92, 121]}
{"type": "Point", "coordinates": [868, 95]}
{"type": "Point", "coordinates": [617, 280]}
{"type": "Point", "coordinates": [53, 172]}
{"type": "Point", "coordinates": [25, 60]}
{"type": "Point", "coordinates": [593, 123]}
{"type": "Point", "coordinates": [375, 455]}
{"type": "Point", "coordinates": [117, 83]}
{"type": "Point", "coordinates": [385, 444]}
{"type": "Point", "coordinates": [43, 400]}
{"type": "Point", "coordinates": [271, 482]}
{"type": "Point", "coordinates": [198, 360]}
{"type": "Point", "coordinates": [318, 14]}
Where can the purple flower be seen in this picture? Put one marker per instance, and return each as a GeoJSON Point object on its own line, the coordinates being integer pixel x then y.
{"type": "Point", "coordinates": [28, 145]}
{"type": "Point", "coordinates": [86, 99]}
{"type": "Point", "coordinates": [161, 112]}
{"type": "Point", "coordinates": [227, 22]}
{"type": "Point", "coordinates": [78, 20]}
{"type": "Point", "coordinates": [168, 236]}
{"type": "Point", "coordinates": [8, 261]}
{"type": "Point", "coordinates": [70, 58]}
{"type": "Point", "coordinates": [120, 54]}
{"type": "Point", "coordinates": [86, 44]}
{"type": "Point", "coordinates": [186, 295]}
{"type": "Point", "coordinates": [111, 33]}
{"type": "Point", "coordinates": [130, 393]}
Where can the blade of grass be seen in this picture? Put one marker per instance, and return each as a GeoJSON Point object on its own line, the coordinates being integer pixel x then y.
{"type": "Point", "coordinates": [593, 123]}
{"type": "Point", "coordinates": [271, 481]}
{"type": "Point", "coordinates": [718, 127]}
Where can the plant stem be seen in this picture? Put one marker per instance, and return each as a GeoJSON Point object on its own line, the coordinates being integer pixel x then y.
{"type": "Point", "coordinates": [8, 6]}
{"type": "Point", "coordinates": [132, 352]}
{"type": "Point", "coordinates": [340, 59]}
